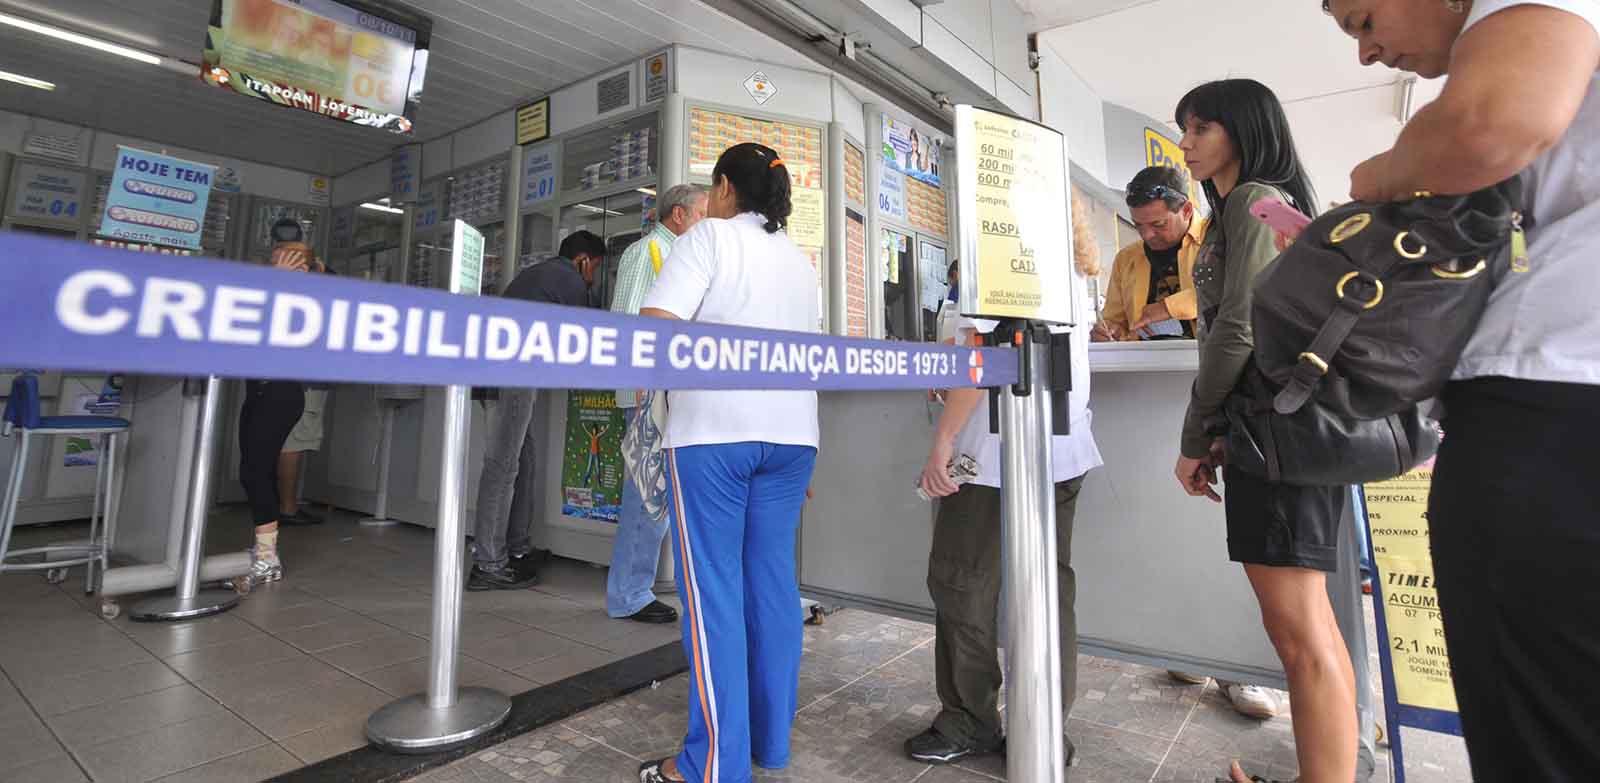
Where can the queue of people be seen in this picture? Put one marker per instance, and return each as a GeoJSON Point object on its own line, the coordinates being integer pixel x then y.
{"type": "Point", "coordinates": [1512, 490]}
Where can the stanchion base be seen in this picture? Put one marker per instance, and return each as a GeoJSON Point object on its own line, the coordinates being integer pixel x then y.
{"type": "Point", "coordinates": [376, 522]}
{"type": "Point", "coordinates": [171, 607]}
{"type": "Point", "coordinates": [410, 726]}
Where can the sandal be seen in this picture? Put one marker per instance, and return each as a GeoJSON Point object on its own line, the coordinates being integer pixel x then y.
{"type": "Point", "coordinates": [1253, 778]}
{"type": "Point", "coordinates": [650, 772]}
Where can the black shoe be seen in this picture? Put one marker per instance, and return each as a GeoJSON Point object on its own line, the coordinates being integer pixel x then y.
{"type": "Point", "coordinates": [482, 579]}
{"type": "Point", "coordinates": [650, 772]}
{"type": "Point", "coordinates": [526, 568]}
{"type": "Point", "coordinates": [299, 519]}
{"type": "Point", "coordinates": [931, 747]}
{"type": "Point", "coordinates": [656, 613]}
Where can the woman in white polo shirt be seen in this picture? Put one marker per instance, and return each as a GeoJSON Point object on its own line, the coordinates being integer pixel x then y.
{"type": "Point", "coordinates": [1513, 511]}
{"type": "Point", "coordinates": [740, 463]}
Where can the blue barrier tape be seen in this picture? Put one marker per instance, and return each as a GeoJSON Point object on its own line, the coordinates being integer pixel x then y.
{"type": "Point", "coordinates": [72, 306]}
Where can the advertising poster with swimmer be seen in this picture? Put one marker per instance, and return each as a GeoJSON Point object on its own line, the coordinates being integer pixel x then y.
{"type": "Point", "coordinates": [156, 199]}
{"type": "Point", "coordinates": [316, 55]}
{"type": "Point", "coordinates": [591, 465]}
{"type": "Point", "coordinates": [911, 152]}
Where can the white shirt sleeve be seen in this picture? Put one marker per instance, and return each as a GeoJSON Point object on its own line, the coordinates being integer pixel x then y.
{"type": "Point", "coordinates": [1588, 10]}
{"type": "Point", "coordinates": [686, 274]}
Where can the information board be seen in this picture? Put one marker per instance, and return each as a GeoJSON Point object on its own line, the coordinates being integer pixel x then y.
{"type": "Point", "coordinates": [47, 193]}
{"type": "Point", "coordinates": [157, 199]}
{"type": "Point", "coordinates": [1015, 233]}
{"type": "Point", "coordinates": [538, 174]}
{"type": "Point", "coordinates": [591, 466]}
{"type": "Point", "coordinates": [1397, 513]}
{"type": "Point", "coordinates": [466, 260]}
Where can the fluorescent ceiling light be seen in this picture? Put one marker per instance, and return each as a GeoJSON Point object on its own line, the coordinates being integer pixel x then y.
{"type": "Point", "coordinates": [646, 191]}
{"type": "Point", "coordinates": [81, 40]}
{"type": "Point", "coordinates": [598, 210]}
{"type": "Point", "coordinates": [7, 76]}
{"type": "Point", "coordinates": [382, 208]}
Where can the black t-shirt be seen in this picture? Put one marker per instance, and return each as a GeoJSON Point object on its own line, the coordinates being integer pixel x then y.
{"type": "Point", "coordinates": [1165, 280]}
{"type": "Point", "coordinates": [1163, 274]}
{"type": "Point", "coordinates": [555, 281]}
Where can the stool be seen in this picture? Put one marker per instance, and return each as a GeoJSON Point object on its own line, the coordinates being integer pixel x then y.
{"type": "Point", "coordinates": [22, 417]}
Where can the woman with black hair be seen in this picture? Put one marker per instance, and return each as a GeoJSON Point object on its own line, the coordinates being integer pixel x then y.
{"type": "Point", "coordinates": [1236, 140]}
{"type": "Point", "coordinates": [271, 410]}
{"type": "Point", "coordinates": [740, 463]}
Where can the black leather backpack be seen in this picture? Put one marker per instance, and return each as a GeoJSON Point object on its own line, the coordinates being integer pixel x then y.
{"type": "Point", "coordinates": [1358, 325]}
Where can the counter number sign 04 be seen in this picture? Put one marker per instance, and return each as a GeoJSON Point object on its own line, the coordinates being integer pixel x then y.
{"type": "Point", "coordinates": [1015, 238]}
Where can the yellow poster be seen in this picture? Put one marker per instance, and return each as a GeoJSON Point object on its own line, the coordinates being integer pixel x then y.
{"type": "Point", "coordinates": [1397, 513]}
{"type": "Point", "coordinates": [807, 226]}
{"type": "Point", "coordinates": [1162, 151]}
{"type": "Point", "coordinates": [1018, 215]}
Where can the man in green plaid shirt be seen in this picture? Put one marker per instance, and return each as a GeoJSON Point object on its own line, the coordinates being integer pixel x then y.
{"type": "Point", "coordinates": [638, 543]}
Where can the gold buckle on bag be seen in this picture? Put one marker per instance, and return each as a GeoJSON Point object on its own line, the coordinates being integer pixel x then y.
{"type": "Point", "coordinates": [1376, 298]}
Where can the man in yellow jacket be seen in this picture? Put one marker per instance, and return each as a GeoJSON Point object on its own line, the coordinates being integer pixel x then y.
{"type": "Point", "coordinates": [1152, 281]}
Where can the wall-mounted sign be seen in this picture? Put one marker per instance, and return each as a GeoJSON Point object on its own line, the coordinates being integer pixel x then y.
{"type": "Point", "coordinates": [1162, 151]}
{"type": "Point", "coordinates": [891, 193]}
{"type": "Point", "coordinates": [228, 180]}
{"type": "Point", "coordinates": [405, 168]}
{"type": "Point", "coordinates": [157, 199]}
{"type": "Point", "coordinates": [657, 78]}
{"type": "Point", "coordinates": [760, 88]}
{"type": "Point", "coordinates": [66, 149]}
{"type": "Point", "coordinates": [807, 221]}
{"type": "Point", "coordinates": [47, 193]}
{"type": "Point", "coordinates": [533, 121]}
{"type": "Point", "coordinates": [538, 174]}
{"type": "Point", "coordinates": [425, 214]}
{"type": "Point", "coordinates": [319, 191]}
{"type": "Point", "coordinates": [911, 153]}
{"type": "Point", "coordinates": [343, 234]}
{"type": "Point", "coordinates": [1017, 253]}
{"type": "Point", "coordinates": [614, 92]}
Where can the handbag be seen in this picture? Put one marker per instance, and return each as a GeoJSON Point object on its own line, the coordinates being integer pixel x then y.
{"type": "Point", "coordinates": [1370, 310]}
{"type": "Point", "coordinates": [1316, 445]}
{"type": "Point", "coordinates": [1358, 325]}
{"type": "Point", "coordinates": [643, 457]}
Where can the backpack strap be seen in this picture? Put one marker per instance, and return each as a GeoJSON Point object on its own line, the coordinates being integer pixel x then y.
{"type": "Point", "coordinates": [1314, 361]}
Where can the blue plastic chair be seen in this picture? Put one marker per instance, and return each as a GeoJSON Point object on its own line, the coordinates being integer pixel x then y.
{"type": "Point", "coordinates": [22, 417]}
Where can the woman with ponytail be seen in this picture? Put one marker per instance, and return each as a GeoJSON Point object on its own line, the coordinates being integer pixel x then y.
{"type": "Point", "coordinates": [740, 463]}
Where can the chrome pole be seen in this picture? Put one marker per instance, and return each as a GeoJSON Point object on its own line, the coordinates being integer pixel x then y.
{"type": "Point", "coordinates": [190, 601]}
{"type": "Point", "coordinates": [446, 715]}
{"type": "Point", "coordinates": [380, 510]}
{"type": "Point", "coordinates": [1033, 695]}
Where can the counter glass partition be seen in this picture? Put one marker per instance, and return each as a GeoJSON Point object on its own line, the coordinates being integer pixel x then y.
{"type": "Point", "coordinates": [620, 219]}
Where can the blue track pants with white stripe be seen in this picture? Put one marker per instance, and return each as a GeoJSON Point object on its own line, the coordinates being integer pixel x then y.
{"type": "Point", "coordinates": [735, 511]}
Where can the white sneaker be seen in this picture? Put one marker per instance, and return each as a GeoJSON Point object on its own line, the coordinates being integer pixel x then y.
{"type": "Point", "coordinates": [1252, 701]}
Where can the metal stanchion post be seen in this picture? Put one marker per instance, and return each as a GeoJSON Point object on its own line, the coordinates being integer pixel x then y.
{"type": "Point", "coordinates": [190, 601]}
{"type": "Point", "coordinates": [1034, 722]}
{"type": "Point", "coordinates": [446, 715]}
{"type": "Point", "coordinates": [380, 511]}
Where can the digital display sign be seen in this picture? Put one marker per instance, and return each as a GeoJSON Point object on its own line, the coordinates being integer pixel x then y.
{"type": "Point", "coordinates": [354, 61]}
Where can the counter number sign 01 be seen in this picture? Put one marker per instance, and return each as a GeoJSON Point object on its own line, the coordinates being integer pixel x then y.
{"type": "Point", "coordinates": [1014, 232]}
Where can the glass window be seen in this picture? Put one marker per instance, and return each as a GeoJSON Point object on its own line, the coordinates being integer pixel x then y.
{"type": "Point", "coordinates": [620, 220]}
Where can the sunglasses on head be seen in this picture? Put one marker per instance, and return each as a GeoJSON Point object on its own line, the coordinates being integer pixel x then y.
{"type": "Point", "coordinates": [1161, 192]}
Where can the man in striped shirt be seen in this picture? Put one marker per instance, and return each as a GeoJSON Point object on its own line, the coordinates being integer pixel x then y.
{"type": "Point", "coordinates": [638, 543]}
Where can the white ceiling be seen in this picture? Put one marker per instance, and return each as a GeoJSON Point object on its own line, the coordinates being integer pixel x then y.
{"type": "Point", "coordinates": [1146, 56]}
{"type": "Point", "coordinates": [487, 56]}
{"type": "Point", "coordinates": [1055, 13]}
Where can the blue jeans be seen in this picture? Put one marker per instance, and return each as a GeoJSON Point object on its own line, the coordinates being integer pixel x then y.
{"type": "Point", "coordinates": [635, 553]}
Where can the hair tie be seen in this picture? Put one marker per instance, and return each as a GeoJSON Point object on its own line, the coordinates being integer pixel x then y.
{"type": "Point", "coordinates": [776, 162]}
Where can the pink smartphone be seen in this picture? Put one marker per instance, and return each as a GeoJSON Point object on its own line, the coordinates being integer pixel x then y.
{"type": "Point", "coordinates": [1281, 217]}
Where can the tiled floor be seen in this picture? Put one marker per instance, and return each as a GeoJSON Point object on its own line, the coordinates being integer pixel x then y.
{"type": "Point", "coordinates": [867, 685]}
{"type": "Point", "coordinates": [290, 676]}
{"type": "Point", "coordinates": [286, 679]}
